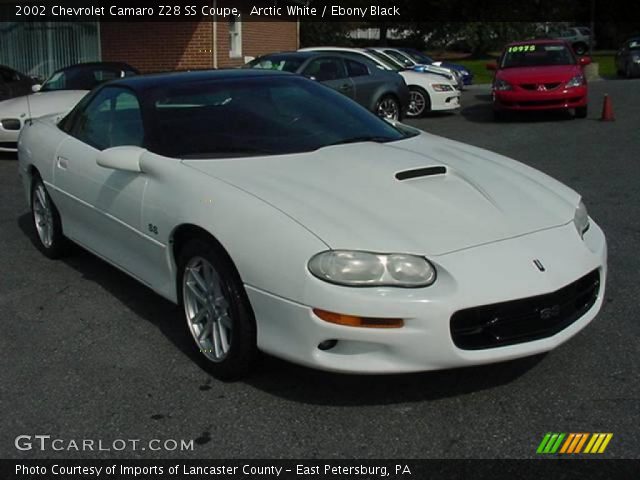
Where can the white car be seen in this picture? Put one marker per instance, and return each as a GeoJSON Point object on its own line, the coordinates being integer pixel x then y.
{"type": "Point", "coordinates": [404, 61]}
{"type": "Point", "coordinates": [60, 93]}
{"type": "Point", "coordinates": [429, 92]}
{"type": "Point", "coordinates": [359, 245]}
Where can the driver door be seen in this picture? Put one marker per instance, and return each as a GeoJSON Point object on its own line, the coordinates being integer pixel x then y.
{"type": "Point", "coordinates": [102, 207]}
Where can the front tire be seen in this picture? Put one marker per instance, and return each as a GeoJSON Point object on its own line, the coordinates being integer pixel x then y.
{"type": "Point", "coordinates": [581, 112]}
{"type": "Point", "coordinates": [419, 102]}
{"type": "Point", "coordinates": [217, 310]}
{"type": "Point", "coordinates": [46, 221]}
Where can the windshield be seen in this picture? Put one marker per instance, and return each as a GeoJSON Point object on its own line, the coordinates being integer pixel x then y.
{"type": "Point", "coordinates": [286, 64]}
{"type": "Point", "coordinates": [399, 57]}
{"type": "Point", "coordinates": [386, 61]}
{"type": "Point", "coordinates": [535, 55]}
{"type": "Point", "coordinates": [256, 116]}
{"type": "Point", "coordinates": [419, 57]}
{"type": "Point", "coordinates": [83, 78]}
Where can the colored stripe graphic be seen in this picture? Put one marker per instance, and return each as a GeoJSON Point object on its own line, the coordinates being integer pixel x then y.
{"type": "Point", "coordinates": [573, 443]}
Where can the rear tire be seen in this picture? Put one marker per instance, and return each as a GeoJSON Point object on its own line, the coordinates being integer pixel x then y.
{"type": "Point", "coordinates": [46, 221]}
{"type": "Point", "coordinates": [388, 107]}
{"type": "Point", "coordinates": [581, 112]}
{"type": "Point", "coordinates": [217, 310]}
{"type": "Point", "coordinates": [419, 102]}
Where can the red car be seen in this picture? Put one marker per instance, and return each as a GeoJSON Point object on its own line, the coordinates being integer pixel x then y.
{"type": "Point", "coordinates": [539, 75]}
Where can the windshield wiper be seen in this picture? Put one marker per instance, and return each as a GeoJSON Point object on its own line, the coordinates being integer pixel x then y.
{"type": "Point", "coordinates": [363, 138]}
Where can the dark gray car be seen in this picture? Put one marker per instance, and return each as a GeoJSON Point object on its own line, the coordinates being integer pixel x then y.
{"type": "Point", "coordinates": [628, 58]}
{"type": "Point", "coordinates": [383, 92]}
{"type": "Point", "coordinates": [13, 83]}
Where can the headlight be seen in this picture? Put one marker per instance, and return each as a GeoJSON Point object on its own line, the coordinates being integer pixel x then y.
{"type": "Point", "coordinates": [367, 269]}
{"type": "Point", "coordinates": [442, 87]}
{"type": "Point", "coordinates": [581, 219]}
{"type": "Point", "coordinates": [501, 85]}
{"type": "Point", "coordinates": [576, 81]}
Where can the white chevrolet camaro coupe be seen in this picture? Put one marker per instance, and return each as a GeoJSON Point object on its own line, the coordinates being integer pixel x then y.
{"type": "Point", "coordinates": [286, 218]}
{"type": "Point", "coordinates": [60, 93]}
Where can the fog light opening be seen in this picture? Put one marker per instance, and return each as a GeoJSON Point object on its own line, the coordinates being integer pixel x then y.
{"type": "Point", "coordinates": [327, 344]}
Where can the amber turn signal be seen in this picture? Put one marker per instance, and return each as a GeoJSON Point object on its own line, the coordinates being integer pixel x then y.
{"type": "Point", "coordinates": [351, 321]}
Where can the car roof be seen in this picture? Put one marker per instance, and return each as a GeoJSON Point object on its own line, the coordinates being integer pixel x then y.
{"type": "Point", "coordinates": [538, 41]}
{"type": "Point", "coordinates": [303, 55]}
{"type": "Point", "coordinates": [141, 83]}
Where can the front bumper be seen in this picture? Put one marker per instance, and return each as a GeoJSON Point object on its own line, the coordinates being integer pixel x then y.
{"type": "Point", "coordinates": [493, 273]}
{"type": "Point", "coordinates": [520, 99]}
{"type": "Point", "coordinates": [442, 101]}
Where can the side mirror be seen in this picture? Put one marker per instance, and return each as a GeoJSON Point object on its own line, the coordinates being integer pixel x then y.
{"type": "Point", "coordinates": [125, 158]}
{"type": "Point", "coordinates": [437, 64]}
{"type": "Point", "coordinates": [492, 66]}
{"type": "Point", "coordinates": [584, 61]}
{"type": "Point", "coordinates": [36, 88]}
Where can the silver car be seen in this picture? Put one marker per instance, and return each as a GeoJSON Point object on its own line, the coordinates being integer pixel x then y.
{"type": "Point", "coordinates": [383, 92]}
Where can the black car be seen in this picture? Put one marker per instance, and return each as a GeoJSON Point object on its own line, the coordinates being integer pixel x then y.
{"type": "Point", "coordinates": [382, 92]}
{"type": "Point", "coordinates": [13, 83]}
{"type": "Point", "coordinates": [85, 76]}
{"type": "Point", "coordinates": [628, 58]}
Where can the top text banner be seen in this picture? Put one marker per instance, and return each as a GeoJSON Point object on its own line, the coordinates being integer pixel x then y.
{"type": "Point", "coordinates": [390, 12]}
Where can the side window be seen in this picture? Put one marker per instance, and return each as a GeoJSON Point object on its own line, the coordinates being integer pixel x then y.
{"type": "Point", "coordinates": [112, 118]}
{"type": "Point", "coordinates": [325, 69]}
{"type": "Point", "coordinates": [356, 69]}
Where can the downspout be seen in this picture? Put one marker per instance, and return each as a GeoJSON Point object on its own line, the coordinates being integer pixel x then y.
{"type": "Point", "coordinates": [215, 34]}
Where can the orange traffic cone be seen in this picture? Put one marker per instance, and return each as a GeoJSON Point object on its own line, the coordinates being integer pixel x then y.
{"type": "Point", "coordinates": [607, 110]}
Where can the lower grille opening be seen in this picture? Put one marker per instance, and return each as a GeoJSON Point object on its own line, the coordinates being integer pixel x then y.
{"type": "Point", "coordinates": [524, 320]}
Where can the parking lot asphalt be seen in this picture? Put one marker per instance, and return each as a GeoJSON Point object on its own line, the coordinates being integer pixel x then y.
{"type": "Point", "coordinates": [88, 353]}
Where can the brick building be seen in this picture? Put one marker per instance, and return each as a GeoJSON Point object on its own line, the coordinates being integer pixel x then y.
{"type": "Point", "coordinates": [39, 48]}
{"type": "Point", "coordinates": [183, 45]}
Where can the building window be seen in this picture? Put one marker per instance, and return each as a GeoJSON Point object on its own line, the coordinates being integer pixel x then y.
{"type": "Point", "coordinates": [235, 37]}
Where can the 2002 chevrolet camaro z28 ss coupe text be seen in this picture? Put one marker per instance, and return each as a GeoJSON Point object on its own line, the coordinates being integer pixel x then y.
{"type": "Point", "coordinates": [286, 218]}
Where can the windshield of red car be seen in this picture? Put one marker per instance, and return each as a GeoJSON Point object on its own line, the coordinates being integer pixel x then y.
{"type": "Point", "coordinates": [535, 55]}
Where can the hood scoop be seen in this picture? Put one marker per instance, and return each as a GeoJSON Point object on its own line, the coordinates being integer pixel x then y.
{"type": "Point", "coordinates": [421, 172]}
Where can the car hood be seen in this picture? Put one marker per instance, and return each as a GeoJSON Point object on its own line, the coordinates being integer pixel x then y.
{"type": "Point", "coordinates": [542, 74]}
{"type": "Point", "coordinates": [349, 195]}
{"type": "Point", "coordinates": [411, 77]}
{"type": "Point", "coordinates": [41, 103]}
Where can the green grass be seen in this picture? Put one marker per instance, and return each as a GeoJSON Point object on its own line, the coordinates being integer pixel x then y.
{"type": "Point", "coordinates": [606, 67]}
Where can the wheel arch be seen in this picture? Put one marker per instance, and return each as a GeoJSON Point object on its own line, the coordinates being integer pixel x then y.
{"type": "Point", "coordinates": [184, 232]}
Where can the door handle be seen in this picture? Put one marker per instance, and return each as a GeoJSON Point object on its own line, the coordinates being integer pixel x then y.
{"type": "Point", "coordinates": [62, 163]}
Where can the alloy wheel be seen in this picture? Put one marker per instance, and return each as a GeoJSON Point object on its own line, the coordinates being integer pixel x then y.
{"type": "Point", "coordinates": [43, 215]}
{"type": "Point", "coordinates": [417, 103]}
{"type": "Point", "coordinates": [388, 108]}
{"type": "Point", "coordinates": [206, 307]}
